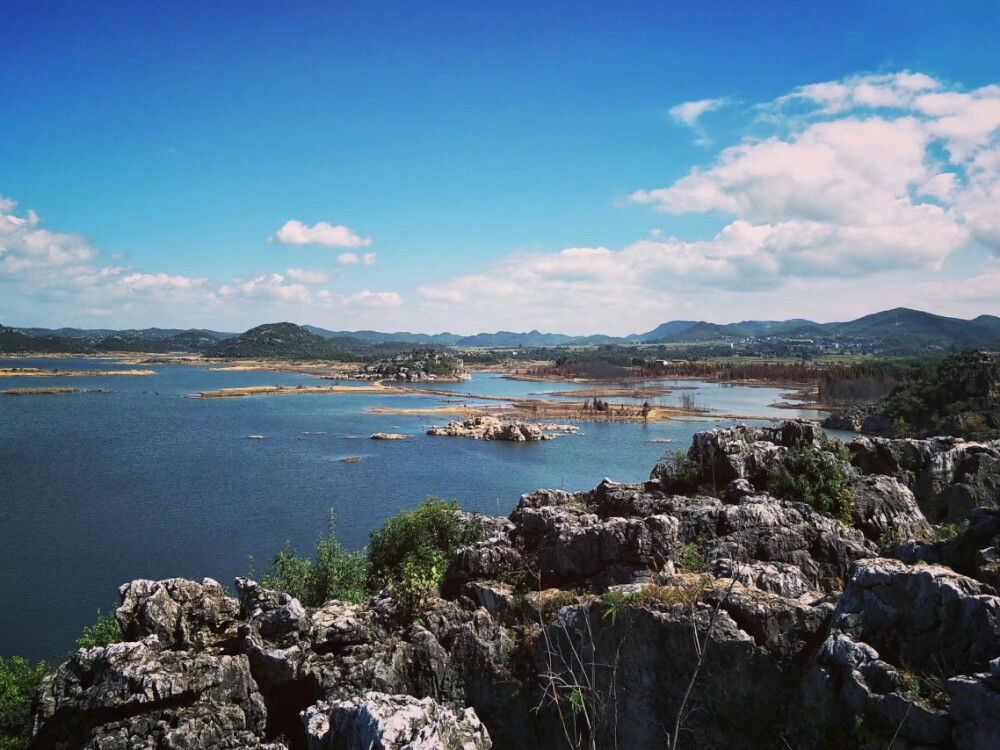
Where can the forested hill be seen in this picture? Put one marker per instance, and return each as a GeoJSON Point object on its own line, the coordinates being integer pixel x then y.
{"type": "Point", "coordinates": [894, 332]}
{"type": "Point", "coordinates": [277, 341]}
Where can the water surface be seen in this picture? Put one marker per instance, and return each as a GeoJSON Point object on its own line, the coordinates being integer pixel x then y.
{"type": "Point", "coordinates": [99, 488]}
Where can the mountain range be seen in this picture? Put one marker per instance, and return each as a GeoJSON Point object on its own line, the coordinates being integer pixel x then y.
{"type": "Point", "coordinates": [890, 329]}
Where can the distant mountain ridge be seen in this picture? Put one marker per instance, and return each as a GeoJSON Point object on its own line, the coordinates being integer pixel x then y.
{"type": "Point", "coordinates": [889, 330]}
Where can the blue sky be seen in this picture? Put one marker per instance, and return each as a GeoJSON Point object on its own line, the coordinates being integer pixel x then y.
{"type": "Point", "coordinates": [502, 165]}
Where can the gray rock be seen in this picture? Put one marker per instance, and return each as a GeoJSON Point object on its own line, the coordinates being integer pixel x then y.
{"type": "Point", "coordinates": [377, 721]}
{"type": "Point", "coordinates": [141, 695]}
{"type": "Point", "coordinates": [180, 613]}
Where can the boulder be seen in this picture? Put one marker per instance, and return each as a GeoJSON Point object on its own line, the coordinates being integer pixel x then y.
{"type": "Point", "coordinates": [377, 721]}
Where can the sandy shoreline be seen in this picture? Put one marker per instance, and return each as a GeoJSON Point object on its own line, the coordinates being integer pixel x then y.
{"type": "Point", "coordinates": [31, 372]}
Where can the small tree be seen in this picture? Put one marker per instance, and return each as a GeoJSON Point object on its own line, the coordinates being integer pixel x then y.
{"type": "Point", "coordinates": [19, 683]}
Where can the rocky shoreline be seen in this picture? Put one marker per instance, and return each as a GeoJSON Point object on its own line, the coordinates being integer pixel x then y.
{"type": "Point", "coordinates": [494, 428]}
{"type": "Point", "coordinates": [698, 606]}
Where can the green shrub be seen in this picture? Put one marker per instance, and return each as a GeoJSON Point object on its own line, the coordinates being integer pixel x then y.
{"type": "Point", "coordinates": [686, 473]}
{"type": "Point", "coordinates": [411, 551]}
{"type": "Point", "coordinates": [691, 558]}
{"type": "Point", "coordinates": [19, 683]}
{"type": "Point", "coordinates": [103, 632]}
{"type": "Point", "coordinates": [336, 574]}
{"type": "Point", "coordinates": [814, 476]}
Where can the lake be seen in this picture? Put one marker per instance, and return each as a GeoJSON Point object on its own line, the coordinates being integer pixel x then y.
{"type": "Point", "coordinates": [99, 488]}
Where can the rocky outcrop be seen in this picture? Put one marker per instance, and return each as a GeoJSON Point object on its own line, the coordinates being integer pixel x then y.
{"type": "Point", "coordinates": [864, 418]}
{"type": "Point", "coordinates": [594, 618]}
{"type": "Point", "coordinates": [750, 453]}
{"type": "Point", "coordinates": [377, 721]}
{"type": "Point", "coordinates": [948, 476]}
{"type": "Point", "coordinates": [494, 428]}
{"type": "Point", "coordinates": [913, 652]}
{"type": "Point", "coordinates": [389, 436]}
{"type": "Point", "coordinates": [141, 692]}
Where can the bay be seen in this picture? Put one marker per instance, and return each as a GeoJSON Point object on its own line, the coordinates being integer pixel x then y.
{"type": "Point", "coordinates": [99, 488]}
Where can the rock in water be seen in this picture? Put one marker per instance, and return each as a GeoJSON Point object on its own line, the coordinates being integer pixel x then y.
{"type": "Point", "coordinates": [494, 428]}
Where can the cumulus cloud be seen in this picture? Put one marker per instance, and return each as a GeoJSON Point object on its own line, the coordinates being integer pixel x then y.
{"type": "Point", "coordinates": [64, 272]}
{"type": "Point", "coordinates": [856, 184]}
{"type": "Point", "coordinates": [322, 233]}
{"type": "Point", "coordinates": [269, 286]}
{"type": "Point", "coordinates": [874, 177]}
{"type": "Point", "coordinates": [308, 277]}
{"type": "Point", "coordinates": [687, 114]}
{"type": "Point", "coordinates": [26, 249]}
{"type": "Point", "coordinates": [373, 299]}
{"type": "Point", "coordinates": [158, 281]}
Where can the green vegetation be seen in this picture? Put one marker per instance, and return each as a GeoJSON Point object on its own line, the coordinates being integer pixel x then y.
{"type": "Point", "coordinates": [959, 397]}
{"type": "Point", "coordinates": [278, 341]}
{"type": "Point", "coordinates": [411, 551]}
{"type": "Point", "coordinates": [336, 574]}
{"type": "Point", "coordinates": [814, 476]}
{"type": "Point", "coordinates": [409, 554]}
{"type": "Point", "coordinates": [103, 632]}
{"type": "Point", "coordinates": [691, 558]}
{"type": "Point", "coordinates": [19, 682]}
{"type": "Point", "coordinates": [686, 473]}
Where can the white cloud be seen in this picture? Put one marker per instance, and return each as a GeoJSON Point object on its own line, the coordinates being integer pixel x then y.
{"type": "Point", "coordinates": [308, 277]}
{"type": "Point", "coordinates": [348, 259]}
{"type": "Point", "coordinates": [985, 286]}
{"type": "Point", "coordinates": [322, 233]}
{"type": "Point", "coordinates": [146, 282]}
{"type": "Point", "coordinates": [688, 113]}
{"type": "Point", "coordinates": [372, 299]}
{"type": "Point", "coordinates": [269, 286]}
{"type": "Point", "coordinates": [370, 259]}
{"type": "Point", "coordinates": [852, 193]}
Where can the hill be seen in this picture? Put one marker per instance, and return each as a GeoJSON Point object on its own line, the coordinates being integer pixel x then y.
{"type": "Point", "coordinates": [14, 341]}
{"type": "Point", "coordinates": [277, 341]}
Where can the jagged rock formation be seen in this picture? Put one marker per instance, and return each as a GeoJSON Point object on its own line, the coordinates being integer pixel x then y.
{"type": "Point", "coordinates": [494, 428]}
{"type": "Point", "coordinates": [596, 619]}
{"type": "Point", "coordinates": [948, 476]}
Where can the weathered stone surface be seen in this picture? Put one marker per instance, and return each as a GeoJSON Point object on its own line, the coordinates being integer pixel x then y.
{"type": "Point", "coordinates": [948, 476]}
{"type": "Point", "coordinates": [180, 613]}
{"type": "Point", "coordinates": [743, 452]}
{"type": "Point", "coordinates": [377, 721]}
{"type": "Point", "coordinates": [494, 428]}
{"type": "Point", "coordinates": [883, 507]}
{"type": "Point", "coordinates": [141, 695]}
{"type": "Point", "coordinates": [904, 642]}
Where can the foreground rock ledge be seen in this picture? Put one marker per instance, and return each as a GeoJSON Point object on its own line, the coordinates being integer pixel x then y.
{"type": "Point", "coordinates": [811, 636]}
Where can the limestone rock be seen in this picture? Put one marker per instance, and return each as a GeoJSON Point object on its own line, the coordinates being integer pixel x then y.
{"type": "Point", "coordinates": [179, 612]}
{"type": "Point", "coordinates": [140, 695]}
{"type": "Point", "coordinates": [494, 428]}
{"type": "Point", "coordinates": [377, 721]}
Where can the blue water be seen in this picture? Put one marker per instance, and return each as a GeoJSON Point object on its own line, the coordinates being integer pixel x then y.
{"type": "Point", "coordinates": [99, 488]}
